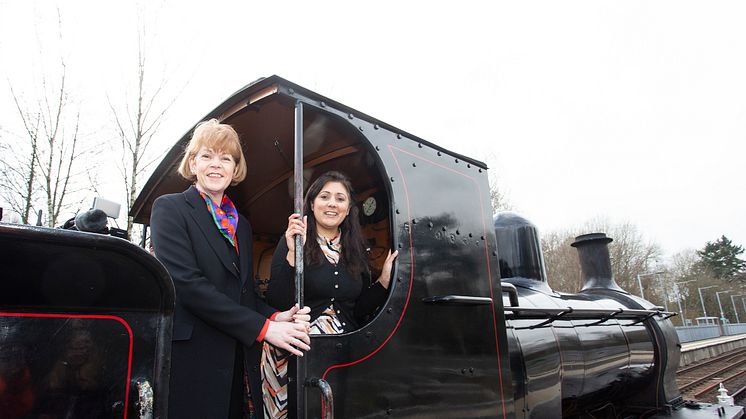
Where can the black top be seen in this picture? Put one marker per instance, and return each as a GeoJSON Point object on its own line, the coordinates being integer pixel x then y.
{"type": "Point", "coordinates": [354, 299]}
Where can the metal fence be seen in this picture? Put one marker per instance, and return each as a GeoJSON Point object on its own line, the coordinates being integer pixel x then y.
{"type": "Point", "coordinates": [693, 333]}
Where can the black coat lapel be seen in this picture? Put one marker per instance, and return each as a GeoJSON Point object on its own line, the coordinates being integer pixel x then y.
{"type": "Point", "coordinates": [245, 254]}
{"type": "Point", "coordinates": [205, 222]}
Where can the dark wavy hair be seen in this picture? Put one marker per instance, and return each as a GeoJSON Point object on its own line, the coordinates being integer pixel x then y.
{"type": "Point", "coordinates": [352, 240]}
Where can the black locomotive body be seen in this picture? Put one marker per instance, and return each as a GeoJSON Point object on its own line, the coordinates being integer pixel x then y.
{"type": "Point", "coordinates": [453, 339]}
{"type": "Point", "coordinates": [85, 326]}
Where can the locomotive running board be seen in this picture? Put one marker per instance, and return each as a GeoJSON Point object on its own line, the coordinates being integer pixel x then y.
{"type": "Point", "coordinates": [549, 315]}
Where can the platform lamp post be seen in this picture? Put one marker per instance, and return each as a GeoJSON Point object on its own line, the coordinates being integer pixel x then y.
{"type": "Point", "coordinates": [678, 299]}
{"type": "Point", "coordinates": [717, 294]}
{"type": "Point", "coordinates": [639, 283]}
{"type": "Point", "coordinates": [735, 310]}
{"type": "Point", "coordinates": [702, 300]}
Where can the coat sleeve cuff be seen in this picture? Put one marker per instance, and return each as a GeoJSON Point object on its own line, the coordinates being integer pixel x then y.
{"type": "Point", "coordinates": [264, 330]}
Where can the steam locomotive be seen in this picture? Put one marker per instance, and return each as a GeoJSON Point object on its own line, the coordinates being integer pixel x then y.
{"type": "Point", "coordinates": [471, 327]}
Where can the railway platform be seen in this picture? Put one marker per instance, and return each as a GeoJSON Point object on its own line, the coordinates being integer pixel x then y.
{"type": "Point", "coordinates": [708, 348]}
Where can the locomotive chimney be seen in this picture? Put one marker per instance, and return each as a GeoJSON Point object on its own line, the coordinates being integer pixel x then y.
{"type": "Point", "coordinates": [595, 262]}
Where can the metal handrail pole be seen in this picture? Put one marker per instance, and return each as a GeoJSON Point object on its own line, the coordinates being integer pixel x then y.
{"type": "Point", "coordinates": [300, 362]}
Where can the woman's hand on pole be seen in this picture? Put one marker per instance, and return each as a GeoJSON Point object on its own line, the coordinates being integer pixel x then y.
{"type": "Point", "coordinates": [296, 315]}
{"type": "Point", "coordinates": [296, 226]}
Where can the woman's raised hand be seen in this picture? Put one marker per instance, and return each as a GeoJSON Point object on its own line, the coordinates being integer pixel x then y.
{"type": "Point", "coordinates": [296, 226]}
{"type": "Point", "coordinates": [385, 278]}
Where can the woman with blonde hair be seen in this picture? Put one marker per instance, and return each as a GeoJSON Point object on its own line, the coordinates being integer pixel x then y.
{"type": "Point", "coordinates": [219, 321]}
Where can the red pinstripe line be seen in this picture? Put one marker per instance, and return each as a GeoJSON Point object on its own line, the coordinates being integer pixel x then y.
{"type": "Point", "coordinates": [90, 316]}
{"type": "Point", "coordinates": [411, 278]}
{"type": "Point", "coordinates": [409, 292]}
{"type": "Point", "coordinates": [487, 257]}
{"type": "Point", "coordinates": [492, 297]}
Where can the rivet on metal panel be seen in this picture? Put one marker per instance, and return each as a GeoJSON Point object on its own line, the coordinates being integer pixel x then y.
{"type": "Point", "coordinates": [350, 116]}
{"type": "Point", "coordinates": [397, 211]}
{"type": "Point", "coordinates": [398, 136]}
{"type": "Point", "coordinates": [463, 370]}
{"type": "Point", "coordinates": [470, 235]}
{"type": "Point", "coordinates": [419, 145]}
{"type": "Point", "coordinates": [494, 253]}
{"type": "Point", "coordinates": [378, 148]}
{"type": "Point", "coordinates": [375, 126]}
{"type": "Point", "coordinates": [437, 235]}
{"type": "Point", "coordinates": [398, 279]}
{"type": "Point", "coordinates": [456, 160]}
{"type": "Point", "coordinates": [414, 221]}
{"type": "Point", "coordinates": [468, 166]}
{"type": "Point", "coordinates": [389, 310]}
{"type": "Point", "coordinates": [480, 170]}
{"type": "Point", "coordinates": [443, 228]}
{"type": "Point", "coordinates": [323, 104]}
{"type": "Point", "coordinates": [481, 237]}
{"type": "Point", "coordinates": [360, 127]}
{"type": "Point", "coordinates": [400, 246]}
{"type": "Point", "coordinates": [391, 178]}
{"type": "Point", "coordinates": [458, 232]}
{"type": "Point", "coordinates": [291, 91]}
{"type": "Point", "coordinates": [439, 153]}
{"type": "Point", "coordinates": [430, 224]}
{"type": "Point", "coordinates": [414, 164]}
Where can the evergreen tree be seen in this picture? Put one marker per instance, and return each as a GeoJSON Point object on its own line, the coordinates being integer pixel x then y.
{"type": "Point", "coordinates": [721, 258]}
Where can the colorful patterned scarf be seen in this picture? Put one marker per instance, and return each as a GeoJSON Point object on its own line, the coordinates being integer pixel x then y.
{"type": "Point", "coordinates": [225, 217]}
{"type": "Point", "coordinates": [332, 248]}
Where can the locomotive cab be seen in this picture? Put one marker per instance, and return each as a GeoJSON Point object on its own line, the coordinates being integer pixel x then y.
{"type": "Point", "coordinates": [438, 343]}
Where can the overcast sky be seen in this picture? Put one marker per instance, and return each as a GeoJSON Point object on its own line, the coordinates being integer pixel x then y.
{"type": "Point", "coordinates": [633, 110]}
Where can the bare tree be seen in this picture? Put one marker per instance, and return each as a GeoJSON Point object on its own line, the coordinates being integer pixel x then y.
{"type": "Point", "coordinates": [561, 261]}
{"type": "Point", "coordinates": [46, 163]}
{"type": "Point", "coordinates": [685, 269]}
{"type": "Point", "coordinates": [630, 254]}
{"type": "Point", "coordinates": [498, 199]}
{"type": "Point", "coordinates": [18, 165]}
{"type": "Point", "coordinates": [137, 122]}
{"type": "Point", "coordinates": [61, 149]}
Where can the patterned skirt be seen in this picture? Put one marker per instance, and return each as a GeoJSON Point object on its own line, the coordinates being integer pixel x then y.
{"type": "Point", "coordinates": [274, 366]}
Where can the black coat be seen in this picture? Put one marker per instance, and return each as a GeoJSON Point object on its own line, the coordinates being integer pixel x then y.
{"type": "Point", "coordinates": [354, 299]}
{"type": "Point", "coordinates": [216, 305]}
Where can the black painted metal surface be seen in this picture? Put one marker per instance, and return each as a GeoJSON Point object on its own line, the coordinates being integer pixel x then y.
{"type": "Point", "coordinates": [82, 318]}
{"type": "Point", "coordinates": [417, 358]}
{"type": "Point", "coordinates": [600, 352]}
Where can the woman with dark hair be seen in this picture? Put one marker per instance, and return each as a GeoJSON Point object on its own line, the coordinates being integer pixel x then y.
{"type": "Point", "coordinates": [338, 285]}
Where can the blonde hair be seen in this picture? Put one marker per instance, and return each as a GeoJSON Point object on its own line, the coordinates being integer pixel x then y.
{"type": "Point", "coordinates": [220, 138]}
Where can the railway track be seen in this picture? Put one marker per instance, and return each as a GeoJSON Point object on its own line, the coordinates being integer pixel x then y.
{"type": "Point", "coordinates": [701, 381]}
